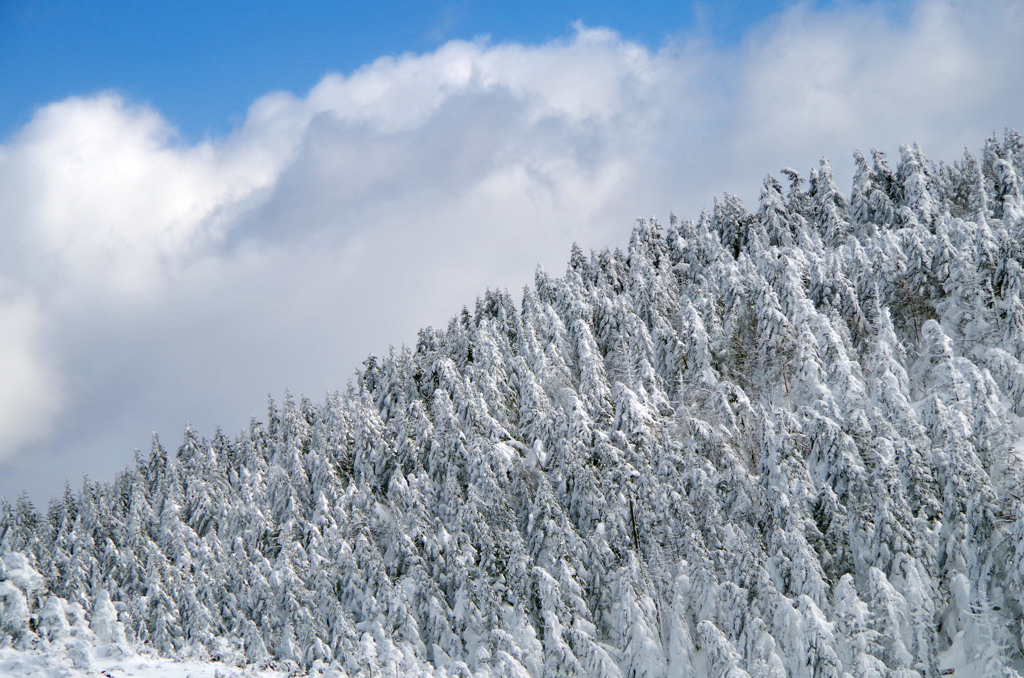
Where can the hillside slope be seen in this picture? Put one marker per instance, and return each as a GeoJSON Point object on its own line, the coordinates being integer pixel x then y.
{"type": "Point", "coordinates": [772, 443]}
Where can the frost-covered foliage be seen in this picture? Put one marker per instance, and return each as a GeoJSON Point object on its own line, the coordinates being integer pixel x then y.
{"type": "Point", "coordinates": [779, 443]}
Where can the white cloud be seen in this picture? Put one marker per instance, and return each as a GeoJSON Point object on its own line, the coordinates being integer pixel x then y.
{"type": "Point", "coordinates": [175, 281]}
{"type": "Point", "coordinates": [102, 192]}
{"type": "Point", "coordinates": [28, 388]}
{"type": "Point", "coordinates": [945, 76]}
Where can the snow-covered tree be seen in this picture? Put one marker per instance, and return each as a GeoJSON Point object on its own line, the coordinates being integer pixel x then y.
{"type": "Point", "coordinates": [767, 444]}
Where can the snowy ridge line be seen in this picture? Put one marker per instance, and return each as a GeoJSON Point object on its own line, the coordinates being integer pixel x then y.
{"type": "Point", "coordinates": [773, 443]}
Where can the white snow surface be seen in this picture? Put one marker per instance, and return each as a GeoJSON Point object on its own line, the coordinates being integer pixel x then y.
{"type": "Point", "coordinates": [55, 663]}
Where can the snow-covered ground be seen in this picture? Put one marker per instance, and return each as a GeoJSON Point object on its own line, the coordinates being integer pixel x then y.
{"type": "Point", "coordinates": [56, 663]}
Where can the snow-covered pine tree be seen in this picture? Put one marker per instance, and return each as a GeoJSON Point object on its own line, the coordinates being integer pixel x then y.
{"type": "Point", "coordinates": [782, 443]}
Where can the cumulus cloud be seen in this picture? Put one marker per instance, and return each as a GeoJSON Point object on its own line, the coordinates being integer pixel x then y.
{"type": "Point", "coordinates": [943, 76]}
{"type": "Point", "coordinates": [100, 187]}
{"type": "Point", "coordinates": [148, 281]}
{"type": "Point", "coordinates": [28, 389]}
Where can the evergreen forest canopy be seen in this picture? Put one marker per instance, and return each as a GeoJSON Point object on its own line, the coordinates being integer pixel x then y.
{"type": "Point", "coordinates": [779, 443]}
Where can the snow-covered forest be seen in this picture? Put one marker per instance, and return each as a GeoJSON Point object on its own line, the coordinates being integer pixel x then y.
{"type": "Point", "coordinates": [774, 443]}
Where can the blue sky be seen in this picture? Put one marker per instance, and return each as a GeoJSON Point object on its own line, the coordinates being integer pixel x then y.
{"type": "Point", "coordinates": [201, 63]}
{"type": "Point", "coordinates": [203, 203]}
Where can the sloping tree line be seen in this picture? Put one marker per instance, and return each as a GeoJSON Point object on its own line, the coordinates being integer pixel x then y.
{"type": "Point", "coordinates": [770, 443]}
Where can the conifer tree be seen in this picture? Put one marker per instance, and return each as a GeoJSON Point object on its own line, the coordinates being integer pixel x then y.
{"type": "Point", "coordinates": [782, 443]}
